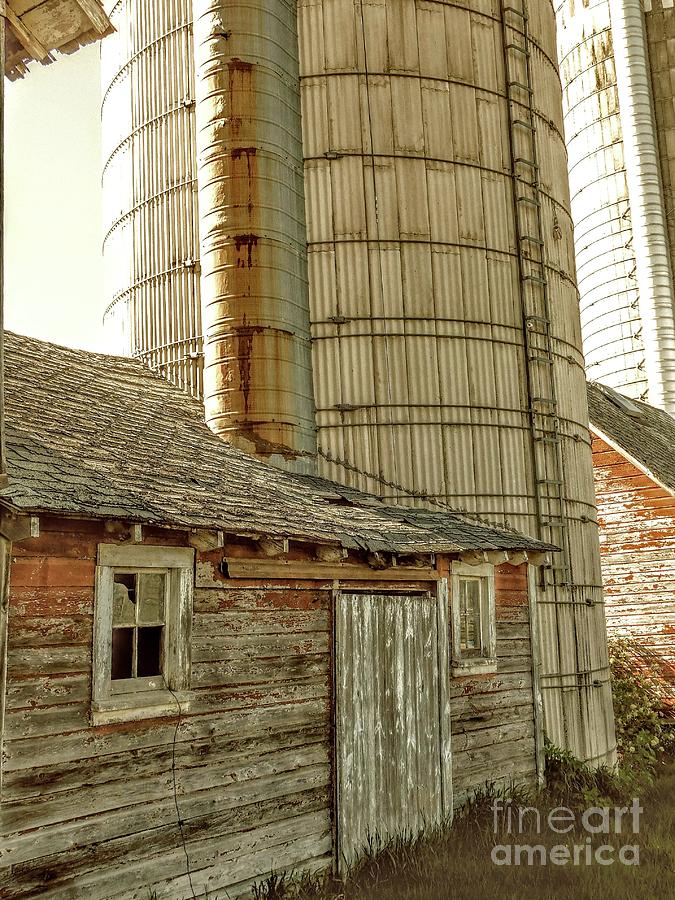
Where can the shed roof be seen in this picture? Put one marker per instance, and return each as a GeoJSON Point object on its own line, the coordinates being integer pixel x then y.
{"type": "Point", "coordinates": [36, 27]}
{"type": "Point", "coordinates": [102, 436]}
{"type": "Point", "coordinates": [643, 432]}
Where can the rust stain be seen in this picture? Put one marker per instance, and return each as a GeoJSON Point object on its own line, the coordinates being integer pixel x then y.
{"type": "Point", "coordinates": [246, 242]}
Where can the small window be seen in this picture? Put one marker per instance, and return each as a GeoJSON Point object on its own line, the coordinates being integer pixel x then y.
{"type": "Point", "coordinates": [142, 630]}
{"type": "Point", "coordinates": [473, 618]}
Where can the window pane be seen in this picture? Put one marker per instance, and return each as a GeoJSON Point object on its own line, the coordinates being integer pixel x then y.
{"type": "Point", "coordinates": [469, 611]}
{"type": "Point", "coordinates": [149, 651]}
{"type": "Point", "coordinates": [124, 599]}
{"type": "Point", "coordinates": [151, 599]}
{"type": "Point", "coordinates": [122, 653]}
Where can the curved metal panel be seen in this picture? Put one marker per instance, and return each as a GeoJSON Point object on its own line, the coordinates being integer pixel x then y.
{"type": "Point", "coordinates": [257, 374]}
{"type": "Point", "coordinates": [445, 324]}
{"type": "Point", "coordinates": [151, 241]}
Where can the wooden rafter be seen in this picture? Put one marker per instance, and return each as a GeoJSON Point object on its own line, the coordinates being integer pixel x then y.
{"type": "Point", "coordinates": [36, 49]}
{"type": "Point", "coordinates": [95, 14]}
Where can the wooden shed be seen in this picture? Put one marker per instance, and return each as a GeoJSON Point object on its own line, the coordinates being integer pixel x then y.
{"type": "Point", "coordinates": [634, 470]}
{"type": "Point", "coordinates": [213, 668]}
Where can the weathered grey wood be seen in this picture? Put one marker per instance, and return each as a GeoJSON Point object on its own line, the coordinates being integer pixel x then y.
{"type": "Point", "coordinates": [5, 564]}
{"type": "Point", "coordinates": [275, 568]}
{"type": "Point", "coordinates": [145, 556]}
{"type": "Point", "coordinates": [391, 764]}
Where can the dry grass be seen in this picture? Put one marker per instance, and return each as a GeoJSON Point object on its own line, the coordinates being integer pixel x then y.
{"type": "Point", "coordinates": [456, 862]}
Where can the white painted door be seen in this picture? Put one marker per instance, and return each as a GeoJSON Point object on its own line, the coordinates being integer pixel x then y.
{"type": "Point", "coordinates": [392, 717]}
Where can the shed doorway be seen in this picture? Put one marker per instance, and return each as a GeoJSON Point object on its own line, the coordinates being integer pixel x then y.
{"type": "Point", "coordinates": [392, 717]}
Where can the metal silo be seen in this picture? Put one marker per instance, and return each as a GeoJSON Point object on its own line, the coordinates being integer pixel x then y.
{"type": "Point", "coordinates": [445, 322]}
{"type": "Point", "coordinates": [257, 359]}
{"type": "Point", "coordinates": [612, 70]}
{"type": "Point", "coordinates": [151, 233]}
{"type": "Point", "coordinates": [445, 328]}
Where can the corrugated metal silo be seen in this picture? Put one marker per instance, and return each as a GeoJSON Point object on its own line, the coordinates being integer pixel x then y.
{"type": "Point", "coordinates": [622, 217]}
{"type": "Point", "coordinates": [447, 343]}
{"type": "Point", "coordinates": [151, 233]}
{"type": "Point", "coordinates": [257, 358]}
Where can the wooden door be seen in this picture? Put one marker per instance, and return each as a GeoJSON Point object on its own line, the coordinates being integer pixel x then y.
{"type": "Point", "coordinates": [392, 717]}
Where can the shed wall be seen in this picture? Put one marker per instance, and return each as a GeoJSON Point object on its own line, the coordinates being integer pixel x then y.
{"type": "Point", "coordinates": [493, 722]}
{"type": "Point", "coordinates": [637, 546]}
{"type": "Point", "coordinates": [92, 808]}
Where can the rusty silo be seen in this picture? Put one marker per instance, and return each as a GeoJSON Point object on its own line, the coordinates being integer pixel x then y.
{"type": "Point", "coordinates": [445, 326]}
{"type": "Point", "coordinates": [616, 61]}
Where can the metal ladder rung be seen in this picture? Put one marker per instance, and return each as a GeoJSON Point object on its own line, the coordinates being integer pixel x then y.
{"type": "Point", "coordinates": [554, 481]}
{"type": "Point", "coordinates": [524, 124]}
{"type": "Point", "coordinates": [520, 49]}
{"type": "Point", "coordinates": [529, 200]}
{"type": "Point", "coordinates": [535, 278]}
{"type": "Point", "coordinates": [518, 12]}
{"type": "Point", "coordinates": [543, 319]}
{"type": "Point", "coordinates": [531, 239]}
{"type": "Point", "coordinates": [521, 86]}
{"type": "Point", "coordinates": [527, 162]}
{"type": "Point", "coordinates": [547, 440]}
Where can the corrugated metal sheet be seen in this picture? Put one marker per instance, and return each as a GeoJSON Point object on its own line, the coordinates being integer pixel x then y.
{"type": "Point", "coordinates": [392, 740]}
{"type": "Point", "coordinates": [151, 240]}
{"type": "Point", "coordinates": [257, 367]}
{"type": "Point", "coordinates": [601, 207]}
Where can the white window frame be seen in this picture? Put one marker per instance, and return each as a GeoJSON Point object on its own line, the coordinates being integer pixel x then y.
{"type": "Point", "coordinates": [166, 694]}
{"type": "Point", "coordinates": [486, 662]}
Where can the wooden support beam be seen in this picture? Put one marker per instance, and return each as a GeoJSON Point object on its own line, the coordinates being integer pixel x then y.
{"type": "Point", "coordinates": [18, 528]}
{"type": "Point", "coordinates": [204, 541]}
{"type": "Point", "coordinates": [95, 14]}
{"type": "Point", "coordinates": [273, 547]}
{"type": "Point", "coordinates": [36, 49]}
{"type": "Point", "coordinates": [316, 571]}
{"type": "Point", "coordinates": [331, 554]}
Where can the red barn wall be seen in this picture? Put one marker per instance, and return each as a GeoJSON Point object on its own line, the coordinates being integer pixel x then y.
{"type": "Point", "coordinates": [637, 546]}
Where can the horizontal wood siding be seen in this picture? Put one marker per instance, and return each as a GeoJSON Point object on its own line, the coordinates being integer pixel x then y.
{"type": "Point", "coordinates": [493, 715]}
{"type": "Point", "coordinates": [91, 810]}
{"type": "Point", "coordinates": [637, 546]}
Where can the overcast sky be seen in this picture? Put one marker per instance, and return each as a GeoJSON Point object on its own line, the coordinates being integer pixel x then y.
{"type": "Point", "coordinates": [53, 266]}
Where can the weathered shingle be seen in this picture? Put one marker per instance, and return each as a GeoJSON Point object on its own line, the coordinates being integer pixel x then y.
{"type": "Point", "coordinates": [645, 433]}
{"type": "Point", "coordinates": [101, 436]}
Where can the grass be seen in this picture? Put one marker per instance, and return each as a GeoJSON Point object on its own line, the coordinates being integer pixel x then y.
{"type": "Point", "coordinates": [456, 862]}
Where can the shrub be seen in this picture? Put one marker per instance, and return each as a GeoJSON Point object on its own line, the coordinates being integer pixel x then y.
{"type": "Point", "coordinates": [641, 734]}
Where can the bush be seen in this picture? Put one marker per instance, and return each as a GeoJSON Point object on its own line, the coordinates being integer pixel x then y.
{"type": "Point", "coordinates": [641, 733]}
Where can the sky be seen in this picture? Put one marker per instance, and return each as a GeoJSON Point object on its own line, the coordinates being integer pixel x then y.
{"type": "Point", "coordinates": [53, 269]}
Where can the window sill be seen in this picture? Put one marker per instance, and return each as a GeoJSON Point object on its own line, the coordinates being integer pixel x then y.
{"type": "Point", "coordinates": [474, 667]}
{"type": "Point", "coordinates": [139, 705]}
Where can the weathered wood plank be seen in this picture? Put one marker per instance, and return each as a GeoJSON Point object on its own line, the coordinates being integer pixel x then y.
{"type": "Point", "coordinates": [33, 661]}
{"type": "Point", "coordinates": [86, 829]}
{"type": "Point", "coordinates": [47, 631]}
{"type": "Point", "coordinates": [47, 600]}
{"type": "Point", "coordinates": [122, 767]}
{"type": "Point", "coordinates": [135, 736]}
{"type": "Point", "coordinates": [47, 571]}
